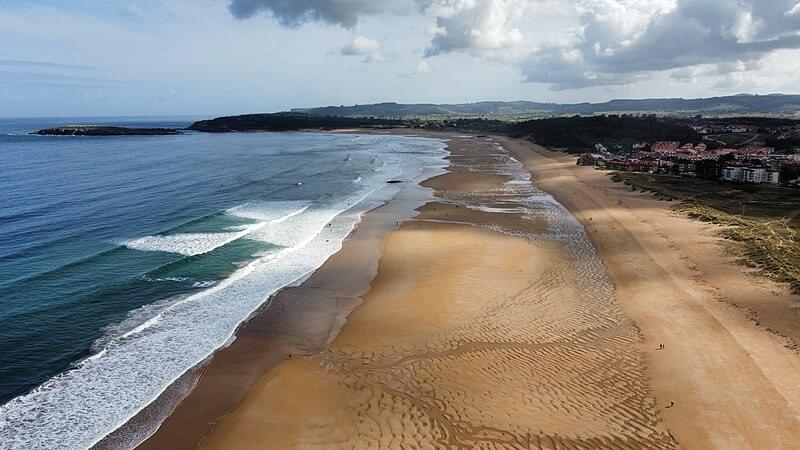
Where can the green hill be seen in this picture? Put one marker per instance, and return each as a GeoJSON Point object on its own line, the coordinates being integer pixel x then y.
{"type": "Point", "coordinates": [744, 104]}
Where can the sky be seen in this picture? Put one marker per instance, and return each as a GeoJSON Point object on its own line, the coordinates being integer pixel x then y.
{"type": "Point", "coordinates": [215, 57]}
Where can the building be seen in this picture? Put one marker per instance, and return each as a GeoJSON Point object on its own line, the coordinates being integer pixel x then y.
{"type": "Point", "coordinates": [590, 159]}
{"type": "Point", "coordinates": [731, 173]}
{"type": "Point", "coordinates": [755, 151]}
{"type": "Point", "coordinates": [773, 177]}
{"type": "Point", "coordinates": [736, 129]}
{"type": "Point", "coordinates": [753, 175]}
{"type": "Point", "coordinates": [708, 169]}
{"type": "Point", "coordinates": [633, 165]}
{"type": "Point", "coordinates": [665, 147]}
{"type": "Point", "coordinates": [749, 174]}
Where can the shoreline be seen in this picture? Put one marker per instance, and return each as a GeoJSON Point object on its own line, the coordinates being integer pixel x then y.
{"type": "Point", "coordinates": [278, 330]}
{"type": "Point", "coordinates": [477, 290]}
{"type": "Point", "coordinates": [682, 292]}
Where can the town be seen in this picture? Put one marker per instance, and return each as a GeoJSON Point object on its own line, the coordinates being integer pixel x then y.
{"type": "Point", "coordinates": [727, 153]}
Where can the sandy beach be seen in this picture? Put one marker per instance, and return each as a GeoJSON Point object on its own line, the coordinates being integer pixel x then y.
{"type": "Point", "coordinates": [495, 319]}
{"type": "Point", "coordinates": [727, 364]}
{"type": "Point", "coordinates": [490, 324]}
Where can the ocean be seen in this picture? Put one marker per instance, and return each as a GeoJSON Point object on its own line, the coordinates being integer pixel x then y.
{"type": "Point", "coordinates": [126, 261]}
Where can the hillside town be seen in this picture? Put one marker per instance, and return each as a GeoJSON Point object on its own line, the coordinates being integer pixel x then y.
{"type": "Point", "coordinates": [749, 162]}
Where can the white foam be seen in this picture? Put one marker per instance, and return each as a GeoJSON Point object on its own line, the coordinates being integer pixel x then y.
{"type": "Point", "coordinates": [133, 319]}
{"type": "Point", "coordinates": [192, 244]}
{"type": "Point", "coordinates": [188, 244]}
{"type": "Point", "coordinates": [176, 279]}
{"type": "Point", "coordinates": [267, 211]}
{"type": "Point", "coordinates": [77, 408]}
{"type": "Point", "coordinates": [492, 209]}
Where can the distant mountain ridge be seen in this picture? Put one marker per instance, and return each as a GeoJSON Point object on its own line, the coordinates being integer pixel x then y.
{"type": "Point", "coordinates": [743, 104]}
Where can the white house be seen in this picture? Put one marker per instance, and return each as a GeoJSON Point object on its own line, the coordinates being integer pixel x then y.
{"type": "Point", "coordinates": [751, 175]}
{"type": "Point", "coordinates": [731, 173]}
{"type": "Point", "coordinates": [773, 177]}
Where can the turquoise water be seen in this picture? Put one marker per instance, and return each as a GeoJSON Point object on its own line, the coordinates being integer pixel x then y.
{"type": "Point", "coordinates": [124, 261]}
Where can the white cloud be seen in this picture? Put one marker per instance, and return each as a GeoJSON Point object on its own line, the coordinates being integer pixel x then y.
{"type": "Point", "coordinates": [370, 49]}
{"type": "Point", "coordinates": [621, 41]}
{"type": "Point", "coordinates": [296, 12]}
{"type": "Point", "coordinates": [420, 70]}
{"type": "Point", "coordinates": [473, 25]}
{"type": "Point", "coordinates": [610, 42]}
{"type": "Point", "coordinates": [733, 69]}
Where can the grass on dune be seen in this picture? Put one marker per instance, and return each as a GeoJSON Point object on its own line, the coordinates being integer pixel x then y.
{"type": "Point", "coordinates": [762, 223]}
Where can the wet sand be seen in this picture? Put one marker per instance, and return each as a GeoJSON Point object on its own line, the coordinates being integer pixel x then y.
{"type": "Point", "coordinates": [734, 384]}
{"type": "Point", "coordinates": [491, 323]}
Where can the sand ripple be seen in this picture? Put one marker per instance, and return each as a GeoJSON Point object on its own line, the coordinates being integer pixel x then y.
{"type": "Point", "coordinates": [492, 324]}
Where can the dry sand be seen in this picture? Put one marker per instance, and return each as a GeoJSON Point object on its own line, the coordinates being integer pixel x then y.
{"type": "Point", "coordinates": [734, 385]}
{"type": "Point", "coordinates": [472, 335]}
